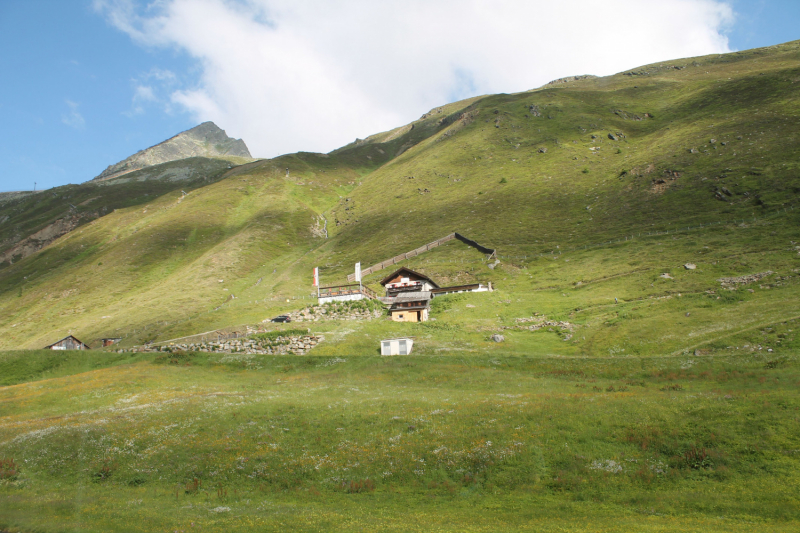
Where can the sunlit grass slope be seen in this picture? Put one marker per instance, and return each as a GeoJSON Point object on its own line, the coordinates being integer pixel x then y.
{"type": "Point", "coordinates": [591, 191]}
{"type": "Point", "coordinates": [644, 383]}
{"type": "Point", "coordinates": [449, 443]}
{"type": "Point", "coordinates": [33, 212]}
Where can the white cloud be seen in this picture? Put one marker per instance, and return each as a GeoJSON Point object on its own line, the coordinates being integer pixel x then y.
{"type": "Point", "coordinates": [151, 88]}
{"type": "Point", "coordinates": [287, 75]}
{"type": "Point", "coordinates": [144, 93]}
{"type": "Point", "coordinates": [73, 118]}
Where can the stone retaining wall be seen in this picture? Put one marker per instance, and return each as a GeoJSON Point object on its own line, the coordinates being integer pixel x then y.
{"type": "Point", "coordinates": [320, 313]}
{"type": "Point", "coordinates": [296, 345]}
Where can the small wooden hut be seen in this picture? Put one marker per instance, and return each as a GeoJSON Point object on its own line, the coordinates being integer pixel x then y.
{"type": "Point", "coordinates": [410, 307]}
{"type": "Point", "coordinates": [406, 280]}
{"type": "Point", "coordinates": [67, 343]}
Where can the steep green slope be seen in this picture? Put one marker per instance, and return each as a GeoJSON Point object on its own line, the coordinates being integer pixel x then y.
{"type": "Point", "coordinates": [690, 161]}
{"type": "Point", "coordinates": [706, 126]}
{"type": "Point", "coordinates": [646, 289]}
{"type": "Point", "coordinates": [176, 264]}
{"type": "Point", "coordinates": [33, 220]}
{"type": "Point", "coordinates": [704, 170]}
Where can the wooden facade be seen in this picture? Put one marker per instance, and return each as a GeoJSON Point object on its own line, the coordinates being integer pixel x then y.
{"type": "Point", "coordinates": [344, 293]}
{"type": "Point", "coordinates": [410, 293]}
{"type": "Point", "coordinates": [406, 280]}
{"type": "Point", "coordinates": [410, 310]}
{"type": "Point", "coordinates": [473, 287]}
{"type": "Point", "coordinates": [67, 343]}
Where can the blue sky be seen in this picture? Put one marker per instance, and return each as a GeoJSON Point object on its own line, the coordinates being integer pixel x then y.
{"type": "Point", "coordinates": [88, 82]}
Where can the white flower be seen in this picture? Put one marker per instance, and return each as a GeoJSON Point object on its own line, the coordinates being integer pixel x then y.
{"type": "Point", "coordinates": [608, 465]}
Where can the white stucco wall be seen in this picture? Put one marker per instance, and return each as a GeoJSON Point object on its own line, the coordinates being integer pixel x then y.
{"type": "Point", "coordinates": [342, 298]}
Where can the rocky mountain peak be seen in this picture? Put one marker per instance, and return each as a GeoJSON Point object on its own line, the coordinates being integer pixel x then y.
{"type": "Point", "coordinates": [204, 140]}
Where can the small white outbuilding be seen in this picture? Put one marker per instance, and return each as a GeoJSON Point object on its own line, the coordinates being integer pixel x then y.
{"type": "Point", "coordinates": [401, 346]}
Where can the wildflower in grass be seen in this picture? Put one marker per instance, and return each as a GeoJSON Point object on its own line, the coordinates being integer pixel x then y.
{"type": "Point", "coordinates": [608, 465]}
{"type": "Point", "coordinates": [334, 361]}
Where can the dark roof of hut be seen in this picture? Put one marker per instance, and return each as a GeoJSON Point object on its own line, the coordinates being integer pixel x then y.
{"type": "Point", "coordinates": [388, 278]}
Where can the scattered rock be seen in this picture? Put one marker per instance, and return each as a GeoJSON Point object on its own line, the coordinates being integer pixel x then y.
{"type": "Point", "coordinates": [241, 346]}
{"type": "Point", "coordinates": [726, 191]}
{"type": "Point", "coordinates": [721, 197]}
{"type": "Point", "coordinates": [333, 311]}
{"type": "Point", "coordinates": [538, 322]}
{"type": "Point", "coordinates": [666, 275]}
{"type": "Point", "coordinates": [542, 150]}
{"type": "Point", "coordinates": [569, 79]}
{"type": "Point", "coordinates": [744, 280]}
{"type": "Point", "coordinates": [498, 338]}
{"type": "Point", "coordinates": [690, 266]}
{"type": "Point", "coordinates": [470, 306]}
{"type": "Point", "coordinates": [713, 141]}
{"type": "Point", "coordinates": [612, 137]}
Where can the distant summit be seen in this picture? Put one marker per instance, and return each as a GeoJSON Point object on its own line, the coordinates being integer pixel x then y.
{"type": "Point", "coordinates": [205, 140]}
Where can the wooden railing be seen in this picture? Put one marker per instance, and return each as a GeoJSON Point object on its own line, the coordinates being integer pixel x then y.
{"type": "Point", "coordinates": [413, 253]}
{"type": "Point", "coordinates": [345, 290]}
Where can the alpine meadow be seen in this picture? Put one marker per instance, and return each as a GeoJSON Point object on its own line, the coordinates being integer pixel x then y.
{"type": "Point", "coordinates": [633, 367]}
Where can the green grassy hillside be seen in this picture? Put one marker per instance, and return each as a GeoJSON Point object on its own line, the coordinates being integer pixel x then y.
{"type": "Point", "coordinates": [23, 215]}
{"type": "Point", "coordinates": [648, 239]}
{"type": "Point", "coordinates": [590, 190]}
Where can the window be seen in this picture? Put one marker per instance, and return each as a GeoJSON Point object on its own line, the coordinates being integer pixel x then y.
{"type": "Point", "coordinates": [400, 315]}
{"type": "Point", "coordinates": [386, 348]}
{"type": "Point", "coordinates": [403, 347]}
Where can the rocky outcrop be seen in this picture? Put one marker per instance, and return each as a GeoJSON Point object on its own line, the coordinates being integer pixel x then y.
{"type": "Point", "coordinates": [319, 313]}
{"type": "Point", "coordinates": [537, 322]}
{"type": "Point", "coordinates": [40, 239]}
{"type": "Point", "coordinates": [744, 280]}
{"type": "Point", "coordinates": [205, 140]}
{"type": "Point", "coordinates": [569, 79]}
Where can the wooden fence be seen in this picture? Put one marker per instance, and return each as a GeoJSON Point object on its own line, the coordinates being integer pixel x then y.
{"type": "Point", "coordinates": [346, 290]}
{"type": "Point", "coordinates": [413, 253]}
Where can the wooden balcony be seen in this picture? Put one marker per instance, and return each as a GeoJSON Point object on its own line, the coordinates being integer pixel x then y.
{"type": "Point", "coordinates": [346, 290]}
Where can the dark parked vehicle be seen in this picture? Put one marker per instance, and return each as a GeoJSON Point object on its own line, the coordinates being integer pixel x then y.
{"type": "Point", "coordinates": [281, 318]}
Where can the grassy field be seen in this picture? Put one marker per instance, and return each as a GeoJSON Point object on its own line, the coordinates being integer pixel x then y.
{"type": "Point", "coordinates": [451, 443]}
{"type": "Point", "coordinates": [647, 288]}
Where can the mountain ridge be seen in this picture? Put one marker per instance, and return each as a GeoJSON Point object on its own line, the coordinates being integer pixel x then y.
{"type": "Point", "coordinates": [635, 367]}
{"type": "Point", "coordinates": [205, 140]}
{"type": "Point", "coordinates": [541, 176]}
